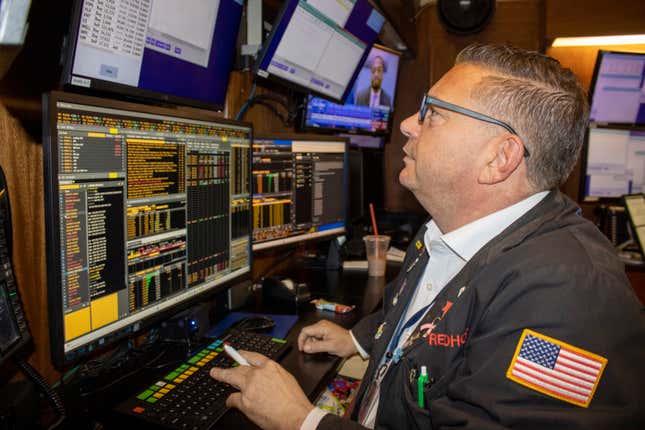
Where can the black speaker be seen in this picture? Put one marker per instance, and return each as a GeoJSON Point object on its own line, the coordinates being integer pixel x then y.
{"type": "Point", "coordinates": [465, 16]}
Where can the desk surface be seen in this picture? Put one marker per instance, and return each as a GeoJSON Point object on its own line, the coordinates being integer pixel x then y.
{"type": "Point", "coordinates": [313, 372]}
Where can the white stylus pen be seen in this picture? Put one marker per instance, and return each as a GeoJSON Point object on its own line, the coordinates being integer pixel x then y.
{"type": "Point", "coordinates": [232, 352]}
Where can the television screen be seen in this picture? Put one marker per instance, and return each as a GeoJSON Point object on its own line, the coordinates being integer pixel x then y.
{"type": "Point", "coordinates": [319, 45]}
{"type": "Point", "coordinates": [618, 90]}
{"type": "Point", "coordinates": [370, 104]}
{"type": "Point", "coordinates": [614, 163]}
{"type": "Point", "coordinates": [159, 49]}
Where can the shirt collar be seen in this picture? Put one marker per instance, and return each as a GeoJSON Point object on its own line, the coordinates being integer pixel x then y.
{"type": "Point", "coordinates": [470, 238]}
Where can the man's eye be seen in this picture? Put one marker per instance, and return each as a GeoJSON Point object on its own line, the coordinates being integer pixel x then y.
{"type": "Point", "coordinates": [433, 113]}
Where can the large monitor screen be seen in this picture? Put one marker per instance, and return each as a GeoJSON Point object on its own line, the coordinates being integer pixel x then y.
{"type": "Point", "coordinates": [614, 163]}
{"type": "Point", "coordinates": [146, 209]}
{"type": "Point", "coordinates": [618, 88]}
{"type": "Point", "coordinates": [299, 189]}
{"type": "Point", "coordinates": [319, 45]}
{"type": "Point", "coordinates": [370, 104]}
{"type": "Point", "coordinates": [163, 49]}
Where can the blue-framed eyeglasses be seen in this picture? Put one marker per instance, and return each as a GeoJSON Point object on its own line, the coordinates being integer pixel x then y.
{"type": "Point", "coordinates": [429, 100]}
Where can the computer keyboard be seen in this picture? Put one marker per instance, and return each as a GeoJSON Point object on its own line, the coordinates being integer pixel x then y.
{"type": "Point", "coordinates": [187, 397]}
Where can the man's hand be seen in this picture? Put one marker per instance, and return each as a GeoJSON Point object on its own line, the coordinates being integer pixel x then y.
{"type": "Point", "coordinates": [269, 395]}
{"type": "Point", "coordinates": [325, 336]}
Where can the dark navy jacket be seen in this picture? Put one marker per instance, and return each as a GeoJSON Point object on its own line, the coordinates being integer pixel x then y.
{"type": "Point", "coordinates": [551, 272]}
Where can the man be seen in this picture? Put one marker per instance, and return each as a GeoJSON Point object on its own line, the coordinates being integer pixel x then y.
{"type": "Point", "coordinates": [513, 305]}
{"type": "Point", "coordinates": [374, 95]}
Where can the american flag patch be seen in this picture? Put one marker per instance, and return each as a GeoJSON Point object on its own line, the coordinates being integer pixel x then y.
{"type": "Point", "coordinates": [555, 368]}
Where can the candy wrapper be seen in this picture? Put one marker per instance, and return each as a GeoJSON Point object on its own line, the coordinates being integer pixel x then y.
{"type": "Point", "coordinates": [324, 305]}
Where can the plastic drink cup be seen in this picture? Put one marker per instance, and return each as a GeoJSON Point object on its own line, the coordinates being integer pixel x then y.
{"type": "Point", "coordinates": [376, 249]}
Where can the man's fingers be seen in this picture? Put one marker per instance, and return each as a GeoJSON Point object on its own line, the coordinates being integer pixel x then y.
{"type": "Point", "coordinates": [254, 358]}
{"type": "Point", "coordinates": [317, 331]}
{"type": "Point", "coordinates": [234, 376]}
{"type": "Point", "coordinates": [313, 347]}
{"type": "Point", "coordinates": [234, 401]}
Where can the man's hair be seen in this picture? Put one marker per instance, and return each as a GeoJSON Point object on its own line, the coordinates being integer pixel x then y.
{"type": "Point", "coordinates": [540, 99]}
{"type": "Point", "coordinates": [373, 59]}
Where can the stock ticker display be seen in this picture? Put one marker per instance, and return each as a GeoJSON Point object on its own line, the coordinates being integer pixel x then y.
{"type": "Point", "coordinates": [299, 190]}
{"type": "Point", "coordinates": [151, 209]}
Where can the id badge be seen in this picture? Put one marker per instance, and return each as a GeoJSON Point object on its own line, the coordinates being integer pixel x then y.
{"type": "Point", "coordinates": [370, 400]}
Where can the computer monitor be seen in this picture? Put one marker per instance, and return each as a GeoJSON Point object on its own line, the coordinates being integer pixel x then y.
{"type": "Point", "coordinates": [363, 141]}
{"type": "Point", "coordinates": [147, 210]}
{"type": "Point", "coordinates": [613, 162]}
{"type": "Point", "coordinates": [618, 88]}
{"type": "Point", "coordinates": [299, 189]}
{"type": "Point", "coordinates": [370, 104]}
{"type": "Point", "coordinates": [160, 50]}
{"type": "Point", "coordinates": [318, 46]}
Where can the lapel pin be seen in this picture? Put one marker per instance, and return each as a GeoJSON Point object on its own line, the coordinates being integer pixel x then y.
{"type": "Point", "coordinates": [379, 331]}
{"type": "Point", "coordinates": [461, 291]}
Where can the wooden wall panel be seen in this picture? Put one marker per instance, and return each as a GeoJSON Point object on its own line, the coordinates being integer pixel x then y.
{"type": "Point", "coordinates": [570, 18]}
{"type": "Point", "coordinates": [21, 159]}
{"type": "Point", "coordinates": [518, 22]}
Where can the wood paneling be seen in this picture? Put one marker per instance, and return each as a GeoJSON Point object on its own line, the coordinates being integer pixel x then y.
{"type": "Point", "coordinates": [570, 18]}
{"type": "Point", "coordinates": [21, 160]}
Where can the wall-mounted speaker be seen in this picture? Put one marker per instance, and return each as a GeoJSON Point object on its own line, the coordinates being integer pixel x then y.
{"type": "Point", "coordinates": [465, 16]}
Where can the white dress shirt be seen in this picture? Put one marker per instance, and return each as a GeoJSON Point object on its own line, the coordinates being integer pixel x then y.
{"type": "Point", "coordinates": [448, 254]}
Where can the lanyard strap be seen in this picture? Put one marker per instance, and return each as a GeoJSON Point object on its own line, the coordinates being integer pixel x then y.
{"type": "Point", "coordinates": [414, 319]}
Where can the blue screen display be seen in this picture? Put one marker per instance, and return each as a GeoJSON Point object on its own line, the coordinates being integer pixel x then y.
{"type": "Point", "coordinates": [320, 45]}
{"type": "Point", "coordinates": [168, 50]}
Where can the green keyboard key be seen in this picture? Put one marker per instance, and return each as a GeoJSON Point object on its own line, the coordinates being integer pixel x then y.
{"type": "Point", "coordinates": [145, 394]}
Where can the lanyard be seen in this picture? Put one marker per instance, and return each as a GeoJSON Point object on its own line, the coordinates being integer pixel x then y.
{"type": "Point", "coordinates": [414, 319]}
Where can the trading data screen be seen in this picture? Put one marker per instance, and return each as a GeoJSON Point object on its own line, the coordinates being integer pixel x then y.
{"type": "Point", "coordinates": [619, 88]}
{"type": "Point", "coordinates": [615, 162]}
{"type": "Point", "coordinates": [147, 210]}
{"type": "Point", "coordinates": [163, 48]}
{"type": "Point", "coordinates": [299, 190]}
{"type": "Point", "coordinates": [319, 45]}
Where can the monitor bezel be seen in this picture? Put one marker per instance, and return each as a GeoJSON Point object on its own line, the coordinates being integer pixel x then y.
{"type": "Point", "coordinates": [293, 85]}
{"type": "Point", "coordinates": [115, 89]}
{"type": "Point", "coordinates": [640, 241]}
{"type": "Point", "coordinates": [269, 245]}
{"type": "Point", "coordinates": [302, 119]}
{"type": "Point", "coordinates": [52, 225]}
{"type": "Point", "coordinates": [592, 88]}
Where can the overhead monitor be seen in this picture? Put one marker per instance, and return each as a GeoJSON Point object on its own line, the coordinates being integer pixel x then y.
{"type": "Point", "coordinates": [370, 104]}
{"type": "Point", "coordinates": [618, 88]}
{"type": "Point", "coordinates": [613, 163]}
{"type": "Point", "coordinates": [299, 189]}
{"type": "Point", "coordinates": [318, 46]}
{"type": "Point", "coordinates": [161, 50]}
{"type": "Point", "coordinates": [147, 209]}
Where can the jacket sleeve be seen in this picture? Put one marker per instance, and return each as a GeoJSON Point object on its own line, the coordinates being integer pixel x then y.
{"type": "Point", "coordinates": [588, 309]}
{"type": "Point", "coordinates": [364, 330]}
{"type": "Point", "coordinates": [334, 422]}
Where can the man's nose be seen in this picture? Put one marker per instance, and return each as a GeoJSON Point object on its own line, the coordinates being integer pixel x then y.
{"type": "Point", "coordinates": [410, 126]}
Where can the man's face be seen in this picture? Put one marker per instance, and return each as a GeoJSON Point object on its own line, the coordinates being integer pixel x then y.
{"type": "Point", "coordinates": [377, 73]}
{"type": "Point", "coordinates": [441, 156]}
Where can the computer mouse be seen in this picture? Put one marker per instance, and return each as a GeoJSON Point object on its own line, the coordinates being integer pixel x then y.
{"type": "Point", "coordinates": [258, 324]}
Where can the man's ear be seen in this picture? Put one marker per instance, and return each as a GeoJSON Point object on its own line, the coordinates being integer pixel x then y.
{"type": "Point", "coordinates": [504, 154]}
